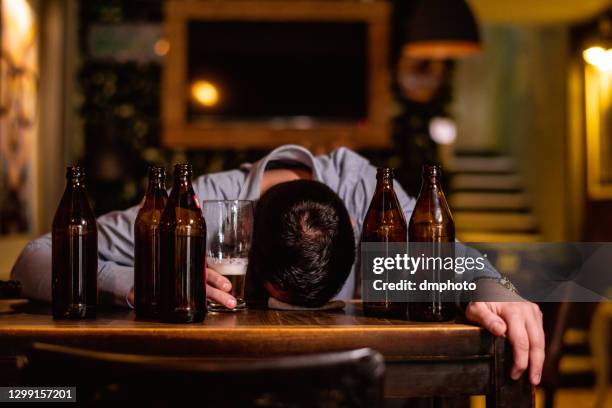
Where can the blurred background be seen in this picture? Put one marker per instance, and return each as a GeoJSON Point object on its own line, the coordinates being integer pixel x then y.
{"type": "Point", "coordinates": [512, 97]}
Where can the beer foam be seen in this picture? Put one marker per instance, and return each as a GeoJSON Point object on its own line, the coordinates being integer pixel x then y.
{"type": "Point", "coordinates": [229, 266]}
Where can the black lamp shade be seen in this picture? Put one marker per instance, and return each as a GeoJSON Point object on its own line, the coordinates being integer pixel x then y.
{"type": "Point", "coordinates": [442, 29]}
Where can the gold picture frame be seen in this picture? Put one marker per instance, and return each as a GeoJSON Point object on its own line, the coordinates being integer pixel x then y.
{"type": "Point", "coordinates": [177, 131]}
{"type": "Point", "coordinates": [598, 115]}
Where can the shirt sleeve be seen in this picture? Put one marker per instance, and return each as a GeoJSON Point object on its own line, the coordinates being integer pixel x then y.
{"type": "Point", "coordinates": [225, 185]}
{"type": "Point", "coordinates": [33, 270]}
{"type": "Point", "coordinates": [115, 261]}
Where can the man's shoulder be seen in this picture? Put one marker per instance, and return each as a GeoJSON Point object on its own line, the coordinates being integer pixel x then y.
{"type": "Point", "coordinates": [220, 185]}
{"type": "Point", "coordinates": [238, 172]}
{"type": "Point", "coordinates": [347, 159]}
{"type": "Point", "coordinates": [343, 168]}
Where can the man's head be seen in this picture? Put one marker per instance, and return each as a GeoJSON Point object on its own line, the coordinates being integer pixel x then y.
{"type": "Point", "coordinates": [303, 243]}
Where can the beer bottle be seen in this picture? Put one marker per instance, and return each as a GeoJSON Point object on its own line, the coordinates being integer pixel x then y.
{"type": "Point", "coordinates": [432, 222]}
{"type": "Point", "coordinates": [183, 246]}
{"type": "Point", "coordinates": [384, 222]}
{"type": "Point", "coordinates": [74, 251]}
{"type": "Point", "coordinates": [146, 245]}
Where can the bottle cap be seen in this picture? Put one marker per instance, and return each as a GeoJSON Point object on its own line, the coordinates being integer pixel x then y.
{"type": "Point", "coordinates": [75, 171]}
{"type": "Point", "coordinates": [156, 171]}
{"type": "Point", "coordinates": [384, 172]}
{"type": "Point", "coordinates": [431, 170]}
{"type": "Point", "coordinates": [182, 168]}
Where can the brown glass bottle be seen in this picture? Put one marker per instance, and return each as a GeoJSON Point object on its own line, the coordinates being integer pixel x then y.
{"type": "Point", "coordinates": [384, 222]}
{"type": "Point", "coordinates": [432, 221]}
{"type": "Point", "coordinates": [74, 252]}
{"type": "Point", "coordinates": [183, 249]}
{"type": "Point", "coordinates": [147, 247]}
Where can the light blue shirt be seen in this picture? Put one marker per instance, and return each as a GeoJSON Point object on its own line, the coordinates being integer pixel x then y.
{"type": "Point", "coordinates": [350, 175]}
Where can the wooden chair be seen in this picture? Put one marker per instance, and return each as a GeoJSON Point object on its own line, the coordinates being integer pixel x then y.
{"type": "Point", "coordinates": [340, 379]}
{"type": "Point", "coordinates": [558, 319]}
{"type": "Point", "coordinates": [555, 326]}
{"type": "Point", "coordinates": [600, 349]}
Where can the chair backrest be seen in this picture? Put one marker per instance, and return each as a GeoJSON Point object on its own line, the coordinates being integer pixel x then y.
{"type": "Point", "coordinates": [339, 379]}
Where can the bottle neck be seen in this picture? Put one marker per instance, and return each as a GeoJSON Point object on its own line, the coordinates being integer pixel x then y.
{"type": "Point", "coordinates": [182, 194]}
{"type": "Point", "coordinates": [75, 183]}
{"type": "Point", "coordinates": [431, 177]}
{"type": "Point", "coordinates": [182, 177]}
{"type": "Point", "coordinates": [157, 180]}
{"type": "Point", "coordinates": [75, 203]}
{"type": "Point", "coordinates": [157, 184]}
{"type": "Point", "coordinates": [431, 182]}
{"type": "Point", "coordinates": [384, 179]}
{"type": "Point", "coordinates": [75, 177]}
{"type": "Point", "coordinates": [182, 182]}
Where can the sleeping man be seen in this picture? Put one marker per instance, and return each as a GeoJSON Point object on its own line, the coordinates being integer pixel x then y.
{"type": "Point", "coordinates": [308, 219]}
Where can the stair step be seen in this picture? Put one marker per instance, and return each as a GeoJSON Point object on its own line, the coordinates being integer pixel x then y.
{"type": "Point", "coordinates": [482, 164]}
{"type": "Point", "coordinates": [494, 222]}
{"type": "Point", "coordinates": [489, 200]}
{"type": "Point", "coordinates": [486, 182]}
{"type": "Point", "coordinates": [512, 237]}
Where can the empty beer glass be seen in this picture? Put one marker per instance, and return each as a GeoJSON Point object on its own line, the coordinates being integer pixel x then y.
{"type": "Point", "coordinates": [230, 223]}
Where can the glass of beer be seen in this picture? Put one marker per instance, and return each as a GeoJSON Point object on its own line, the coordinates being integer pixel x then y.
{"type": "Point", "coordinates": [228, 242]}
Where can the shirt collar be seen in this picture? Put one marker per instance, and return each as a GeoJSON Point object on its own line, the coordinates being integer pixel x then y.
{"type": "Point", "coordinates": [256, 170]}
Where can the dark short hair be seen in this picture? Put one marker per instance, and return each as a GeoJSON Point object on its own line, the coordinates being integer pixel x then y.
{"type": "Point", "coordinates": [303, 242]}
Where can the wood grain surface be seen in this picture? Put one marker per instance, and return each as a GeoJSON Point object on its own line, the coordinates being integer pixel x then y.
{"type": "Point", "coordinates": [422, 359]}
{"type": "Point", "coordinates": [252, 332]}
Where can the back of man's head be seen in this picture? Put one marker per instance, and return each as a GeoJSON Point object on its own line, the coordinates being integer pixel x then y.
{"type": "Point", "coordinates": [303, 242]}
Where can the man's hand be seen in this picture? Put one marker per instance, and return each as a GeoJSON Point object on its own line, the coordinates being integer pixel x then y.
{"type": "Point", "coordinates": [521, 323]}
{"type": "Point", "coordinates": [217, 288]}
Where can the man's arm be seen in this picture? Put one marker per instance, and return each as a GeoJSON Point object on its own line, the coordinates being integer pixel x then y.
{"type": "Point", "coordinates": [33, 270]}
{"type": "Point", "coordinates": [30, 269]}
{"type": "Point", "coordinates": [512, 316]}
{"type": "Point", "coordinates": [115, 261]}
{"type": "Point", "coordinates": [519, 320]}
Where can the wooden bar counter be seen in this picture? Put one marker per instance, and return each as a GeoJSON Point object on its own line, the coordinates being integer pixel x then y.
{"type": "Point", "coordinates": [422, 359]}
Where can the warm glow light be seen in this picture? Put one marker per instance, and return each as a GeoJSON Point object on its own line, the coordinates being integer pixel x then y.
{"type": "Point", "coordinates": [205, 93]}
{"type": "Point", "coordinates": [161, 47]}
{"type": "Point", "coordinates": [19, 17]}
{"type": "Point", "coordinates": [443, 130]}
{"type": "Point", "coordinates": [441, 50]}
{"type": "Point", "coordinates": [18, 22]}
{"type": "Point", "coordinates": [599, 57]}
{"type": "Point", "coordinates": [598, 101]}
